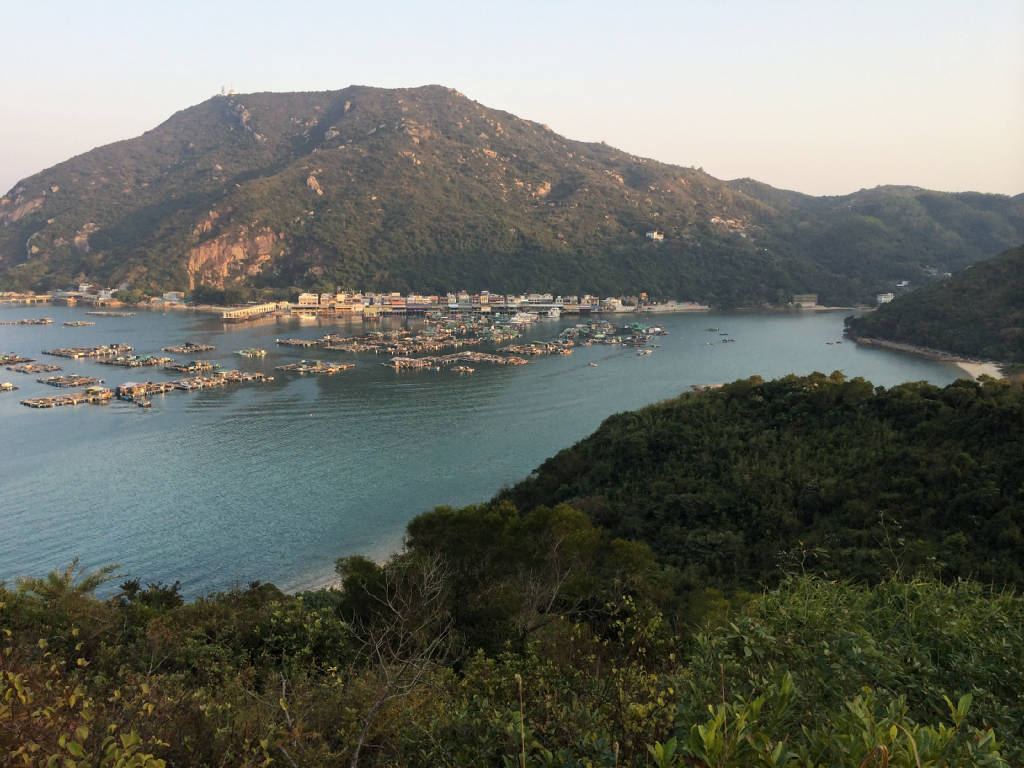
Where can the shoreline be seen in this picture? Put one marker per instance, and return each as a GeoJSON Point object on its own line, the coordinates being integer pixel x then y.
{"type": "Point", "coordinates": [971, 366]}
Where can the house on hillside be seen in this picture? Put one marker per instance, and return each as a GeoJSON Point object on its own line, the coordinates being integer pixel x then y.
{"type": "Point", "coordinates": [805, 300]}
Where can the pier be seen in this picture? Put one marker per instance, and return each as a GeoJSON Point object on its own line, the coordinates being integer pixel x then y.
{"type": "Point", "coordinates": [240, 314]}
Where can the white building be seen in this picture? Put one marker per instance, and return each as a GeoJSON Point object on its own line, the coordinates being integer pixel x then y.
{"type": "Point", "coordinates": [885, 298]}
{"type": "Point", "coordinates": [655, 235]}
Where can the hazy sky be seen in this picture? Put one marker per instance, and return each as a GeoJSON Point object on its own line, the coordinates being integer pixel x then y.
{"type": "Point", "coordinates": [824, 97]}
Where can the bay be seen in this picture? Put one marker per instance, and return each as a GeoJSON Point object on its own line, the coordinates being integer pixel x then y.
{"type": "Point", "coordinates": [273, 482]}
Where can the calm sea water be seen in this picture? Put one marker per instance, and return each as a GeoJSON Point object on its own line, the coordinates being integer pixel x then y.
{"type": "Point", "coordinates": [275, 481]}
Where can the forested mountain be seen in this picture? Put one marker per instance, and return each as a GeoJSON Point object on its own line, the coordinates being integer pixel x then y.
{"type": "Point", "coordinates": [528, 632]}
{"type": "Point", "coordinates": [978, 312]}
{"type": "Point", "coordinates": [424, 189]}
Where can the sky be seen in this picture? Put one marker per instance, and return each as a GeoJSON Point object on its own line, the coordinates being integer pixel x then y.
{"type": "Point", "coordinates": [822, 97]}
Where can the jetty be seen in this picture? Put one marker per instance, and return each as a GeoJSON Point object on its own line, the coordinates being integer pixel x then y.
{"type": "Point", "coordinates": [249, 312]}
{"type": "Point", "coordinates": [77, 353]}
{"type": "Point", "coordinates": [93, 396]}
{"type": "Point", "coordinates": [70, 380]}
{"type": "Point", "coordinates": [315, 366]}
{"type": "Point", "coordinates": [99, 313]}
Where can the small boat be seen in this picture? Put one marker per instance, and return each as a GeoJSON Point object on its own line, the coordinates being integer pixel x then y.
{"type": "Point", "coordinates": [77, 323]}
{"type": "Point", "coordinates": [592, 365]}
{"type": "Point", "coordinates": [144, 403]}
{"type": "Point", "coordinates": [251, 352]}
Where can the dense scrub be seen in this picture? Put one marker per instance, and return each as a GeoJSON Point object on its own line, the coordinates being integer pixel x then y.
{"type": "Point", "coordinates": [833, 476]}
{"type": "Point", "coordinates": [978, 312]}
{"type": "Point", "coordinates": [813, 673]}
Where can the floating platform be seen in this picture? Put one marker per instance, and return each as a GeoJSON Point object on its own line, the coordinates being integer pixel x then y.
{"type": "Point", "coordinates": [298, 342]}
{"type": "Point", "coordinates": [77, 323]}
{"type": "Point", "coordinates": [70, 380]}
{"type": "Point", "coordinates": [137, 361]}
{"type": "Point", "coordinates": [188, 348]}
{"type": "Point", "coordinates": [195, 366]}
{"type": "Point", "coordinates": [28, 321]}
{"type": "Point", "coordinates": [251, 352]}
{"type": "Point", "coordinates": [6, 386]}
{"type": "Point", "coordinates": [92, 396]}
{"type": "Point", "coordinates": [34, 368]}
{"type": "Point", "coordinates": [315, 366]}
{"type": "Point", "coordinates": [15, 359]}
{"type": "Point", "coordinates": [77, 353]}
{"type": "Point", "coordinates": [99, 313]}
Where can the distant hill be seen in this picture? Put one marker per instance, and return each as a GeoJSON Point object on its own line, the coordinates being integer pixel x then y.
{"type": "Point", "coordinates": [425, 189]}
{"type": "Point", "coordinates": [816, 473]}
{"type": "Point", "coordinates": [977, 312]}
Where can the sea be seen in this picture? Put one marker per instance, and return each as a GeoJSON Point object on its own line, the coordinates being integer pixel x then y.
{"type": "Point", "coordinates": [273, 482]}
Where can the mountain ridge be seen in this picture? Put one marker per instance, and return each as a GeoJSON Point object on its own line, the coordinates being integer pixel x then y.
{"type": "Point", "coordinates": [423, 188]}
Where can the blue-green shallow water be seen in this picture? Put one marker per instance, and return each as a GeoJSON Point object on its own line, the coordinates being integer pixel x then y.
{"type": "Point", "coordinates": [275, 481]}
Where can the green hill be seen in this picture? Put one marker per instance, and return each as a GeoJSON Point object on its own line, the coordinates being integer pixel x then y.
{"type": "Point", "coordinates": [978, 312]}
{"type": "Point", "coordinates": [532, 634]}
{"type": "Point", "coordinates": [425, 189]}
{"type": "Point", "coordinates": [834, 476]}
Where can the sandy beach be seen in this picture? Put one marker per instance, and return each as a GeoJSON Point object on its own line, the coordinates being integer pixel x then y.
{"type": "Point", "coordinates": [974, 370]}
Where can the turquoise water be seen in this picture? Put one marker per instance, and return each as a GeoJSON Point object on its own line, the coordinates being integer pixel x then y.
{"type": "Point", "coordinates": [275, 481]}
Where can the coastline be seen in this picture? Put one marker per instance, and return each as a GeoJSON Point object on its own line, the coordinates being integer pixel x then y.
{"type": "Point", "coordinates": [971, 366]}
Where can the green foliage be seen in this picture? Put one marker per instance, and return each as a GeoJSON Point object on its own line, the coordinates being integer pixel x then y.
{"type": "Point", "coordinates": [535, 634]}
{"type": "Point", "coordinates": [814, 474]}
{"type": "Point", "coordinates": [978, 312]}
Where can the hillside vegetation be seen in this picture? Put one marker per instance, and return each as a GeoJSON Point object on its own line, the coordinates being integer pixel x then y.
{"type": "Point", "coordinates": [978, 312]}
{"type": "Point", "coordinates": [425, 189]}
{"type": "Point", "coordinates": [847, 479]}
{"type": "Point", "coordinates": [534, 633]}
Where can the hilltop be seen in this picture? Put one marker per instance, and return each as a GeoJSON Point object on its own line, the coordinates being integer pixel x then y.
{"type": "Point", "coordinates": [425, 189]}
{"type": "Point", "coordinates": [978, 312]}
